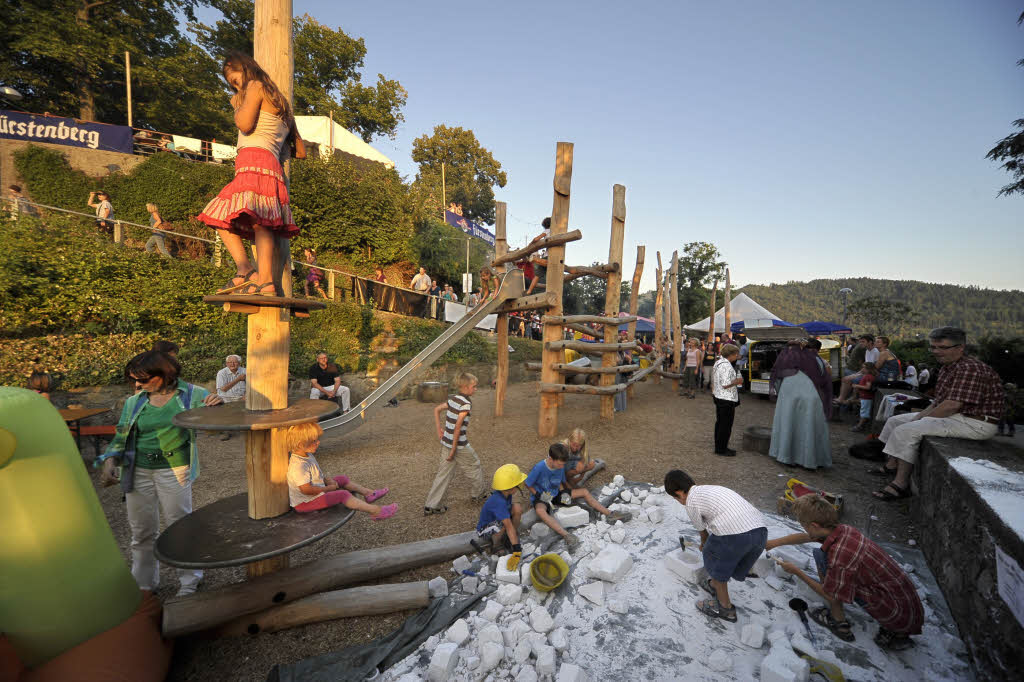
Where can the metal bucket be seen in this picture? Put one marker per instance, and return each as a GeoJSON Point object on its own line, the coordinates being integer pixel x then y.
{"type": "Point", "coordinates": [433, 392]}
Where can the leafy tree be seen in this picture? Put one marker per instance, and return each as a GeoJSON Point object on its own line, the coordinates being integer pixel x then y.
{"type": "Point", "coordinates": [1010, 151]}
{"type": "Point", "coordinates": [645, 303]}
{"type": "Point", "coordinates": [328, 63]}
{"type": "Point", "coordinates": [585, 296]}
{"type": "Point", "coordinates": [441, 249]}
{"type": "Point", "coordinates": [885, 316]}
{"type": "Point", "coordinates": [471, 172]}
{"type": "Point", "coordinates": [699, 265]}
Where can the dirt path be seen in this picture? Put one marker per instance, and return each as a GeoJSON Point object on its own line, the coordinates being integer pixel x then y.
{"type": "Point", "coordinates": [398, 448]}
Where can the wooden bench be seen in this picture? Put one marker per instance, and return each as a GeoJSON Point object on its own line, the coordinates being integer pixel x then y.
{"type": "Point", "coordinates": [95, 433]}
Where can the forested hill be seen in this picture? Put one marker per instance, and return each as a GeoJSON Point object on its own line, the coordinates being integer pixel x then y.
{"type": "Point", "coordinates": [981, 312]}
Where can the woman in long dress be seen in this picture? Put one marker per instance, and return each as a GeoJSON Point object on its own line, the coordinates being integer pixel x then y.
{"type": "Point", "coordinates": [803, 384]}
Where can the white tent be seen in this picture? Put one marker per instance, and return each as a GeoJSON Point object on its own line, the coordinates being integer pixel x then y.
{"type": "Point", "coordinates": [743, 308]}
{"type": "Point", "coordinates": [328, 135]}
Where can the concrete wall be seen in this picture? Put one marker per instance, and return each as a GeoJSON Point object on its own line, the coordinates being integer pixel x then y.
{"type": "Point", "coordinates": [959, 536]}
{"type": "Point", "coordinates": [94, 162]}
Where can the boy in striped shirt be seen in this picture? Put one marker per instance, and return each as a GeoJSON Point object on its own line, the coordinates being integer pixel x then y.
{"type": "Point", "coordinates": [455, 447]}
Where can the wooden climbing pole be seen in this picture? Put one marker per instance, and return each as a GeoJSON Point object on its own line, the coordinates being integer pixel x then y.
{"type": "Point", "coordinates": [659, 323]}
{"type": "Point", "coordinates": [728, 303]}
{"type": "Point", "coordinates": [677, 328]}
{"type": "Point", "coordinates": [547, 423]}
{"type": "Point", "coordinates": [634, 297]}
{"type": "Point", "coordinates": [612, 292]}
{"type": "Point", "coordinates": [711, 323]}
{"type": "Point", "coordinates": [500, 249]}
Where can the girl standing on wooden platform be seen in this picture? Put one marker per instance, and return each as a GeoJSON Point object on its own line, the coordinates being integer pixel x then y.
{"type": "Point", "coordinates": [255, 203]}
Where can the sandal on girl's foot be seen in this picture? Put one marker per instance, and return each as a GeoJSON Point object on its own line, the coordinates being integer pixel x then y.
{"type": "Point", "coordinates": [840, 628]}
{"type": "Point", "coordinates": [887, 496]}
{"type": "Point", "coordinates": [377, 494]}
{"type": "Point", "coordinates": [893, 641]}
{"type": "Point", "coordinates": [237, 282]}
{"type": "Point", "coordinates": [253, 289]}
{"type": "Point", "coordinates": [881, 471]}
{"type": "Point", "coordinates": [427, 511]}
{"type": "Point", "coordinates": [713, 607]}
{"type": "Point", "coordinates": [386, 512]}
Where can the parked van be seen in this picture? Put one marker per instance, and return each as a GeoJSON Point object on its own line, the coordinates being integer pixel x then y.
{"type": "Point", "coordinates": [765, 346]}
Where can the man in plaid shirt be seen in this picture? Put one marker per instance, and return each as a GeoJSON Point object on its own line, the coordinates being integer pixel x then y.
{"type": "Point", "coordinates": [969, 401]}
{"type": "Point", "coordinates": [853, 568]}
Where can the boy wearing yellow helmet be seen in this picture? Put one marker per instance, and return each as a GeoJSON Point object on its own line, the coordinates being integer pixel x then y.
{"type": "Point", "coordinates": [499, 517]}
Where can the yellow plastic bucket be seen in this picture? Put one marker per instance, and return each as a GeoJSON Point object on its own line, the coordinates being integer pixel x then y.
{"type": "Point", "coordinates": [548, 571]}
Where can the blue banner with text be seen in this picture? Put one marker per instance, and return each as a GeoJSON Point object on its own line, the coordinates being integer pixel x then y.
{"type": "Point", "coordinates": [18, 125]}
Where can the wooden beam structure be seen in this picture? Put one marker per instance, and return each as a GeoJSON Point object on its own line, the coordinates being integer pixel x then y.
{"type": "Point", "coordinates": [500, 249]}
{"type": "Point", "coordinates": [584, 347]}
{"type": "Point", "coordinates": [569, 369]}
{"type": "Point", "coordinates": [634, 297]}
{"type": "Point", "coordinates": [659, 323]}
{"type": "Point", "coordinates": [559, 239]}
{"type": "Point", "coordinates": [677, 327]}
{"type": "Point", "coordinates": [547, 418]}
{"type": "Point", "coordinates": [582, 329]}
{"type": "Point", "coordinates": [604, 391]}
{"type": "Point", "coordinates": [612, 293]}
{"type": "Point", "coordinates": [532, 302]}
{"type": "Point", "coordinates": [711, 323]}
{"type": "Point", "coordinates": [670, 375]}
{"type": "Point", "coordinates": [728, 301]}
{"type": "Point", "coordinates": [637, 376]}
{"type": "Point", "coordinates": [593, 319]}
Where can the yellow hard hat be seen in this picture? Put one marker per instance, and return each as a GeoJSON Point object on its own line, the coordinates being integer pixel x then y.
{"type": "Point", "coordinates": [548, 571]}
{"type": "Point", "coordinates": [507, 476]}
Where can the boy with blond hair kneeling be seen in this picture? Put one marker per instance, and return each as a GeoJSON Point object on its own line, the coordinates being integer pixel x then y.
{"type": "Point", "coordinates": [309, 489]}
{"type": "Point", "coordinates": [853, 568]}
{"type": "Point", "coordinates": [455, 447]}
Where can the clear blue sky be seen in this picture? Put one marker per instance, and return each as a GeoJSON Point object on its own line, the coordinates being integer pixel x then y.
{"type": "Point", "coordinates": [804, 138]}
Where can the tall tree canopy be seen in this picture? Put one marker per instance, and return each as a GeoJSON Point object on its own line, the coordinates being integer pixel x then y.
{"type": "Point", "coordinates": [1010, 151]}
{"type": "Point", "coordinates": [470, 171]}
{"type": "Point", "coordinates": [699, 265]}
{"type": "Point", "coordinates": [328, 63]}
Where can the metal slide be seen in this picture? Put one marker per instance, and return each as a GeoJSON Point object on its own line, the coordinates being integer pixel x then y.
{"type": "Point", "coordinates": [512, 286]}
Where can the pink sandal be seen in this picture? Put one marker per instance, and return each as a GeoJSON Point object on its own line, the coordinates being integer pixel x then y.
{"type": "Point", "coordinates": [386, 512]}
{"type": "Point", "coordinates": [376, 495]}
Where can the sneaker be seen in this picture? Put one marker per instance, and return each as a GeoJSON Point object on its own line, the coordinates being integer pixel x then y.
{"type": "Point", "coordinates": [427, 511]}
{"type": "Point", "coordinates": [712, 607]}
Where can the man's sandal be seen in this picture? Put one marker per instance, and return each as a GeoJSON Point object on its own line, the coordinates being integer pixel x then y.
{"type": "Point", "coordinates": [881, 471]}
{"type": "Point", "coordinates": [427, 511]}
{"type": "Point", "coordinates": [713, 607]}
{"type": "Point", "coordinates": [840, 628]}
{"type": "Point", "coordinates": [706, 584]}
{"type": "Point", "coordinates": [885, 496]}
{"type": "Point", "coordinates": [237, 282]}
{"type": "Point", "coordinates": [893, 641]}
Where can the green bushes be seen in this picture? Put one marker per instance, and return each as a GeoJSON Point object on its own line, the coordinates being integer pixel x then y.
{"type": "Point", "coordinates": [415, 334]}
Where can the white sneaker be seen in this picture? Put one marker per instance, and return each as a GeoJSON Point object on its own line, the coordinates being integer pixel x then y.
{"type": "Point", "coordinates": [186, 590]}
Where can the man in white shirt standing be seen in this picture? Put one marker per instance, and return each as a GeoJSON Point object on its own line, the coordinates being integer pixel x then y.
{"type": "Point", "coordinates": [724, 388]}
{"type": "Point", "coordinates": [231, 384]}
{"type": "Point", "coordinates": [732, 536]}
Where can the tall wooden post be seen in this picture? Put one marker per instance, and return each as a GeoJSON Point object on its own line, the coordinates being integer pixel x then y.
{"type": "Point", "coordinates": [634, 296]}
{"type": "Point", "coordinates": [677, 329]}
{"type": "Point", "coordinates": [547, 424]}
{"type": "Point", "coordinates": [728, 303]}
{"type": "Point", "coordinates": [500, 249]}
{"type": "Point", "coordinates": [666, 314]}
{"type": "Point", "coordinates": [711, 324]}
{"type": "Point", "coordinates": [612, 293]}
{"type": "Point", "coordinates": [658, 313]}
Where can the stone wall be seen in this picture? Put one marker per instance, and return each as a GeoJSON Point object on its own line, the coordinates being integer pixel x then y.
{"type": "Point", "coordinates": [94, 162]}
{"type": "Point", "coordinates": [959, 539]}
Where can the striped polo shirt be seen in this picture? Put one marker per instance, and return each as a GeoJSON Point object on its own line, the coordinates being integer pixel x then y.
{"type": "Point", "coordinates": [457, 404]}
{"type": "Point", "coordinates": [721, 511]}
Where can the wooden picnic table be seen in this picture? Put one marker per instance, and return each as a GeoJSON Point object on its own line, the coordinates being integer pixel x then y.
{"type": "Point", "coordinates": [73, 415]}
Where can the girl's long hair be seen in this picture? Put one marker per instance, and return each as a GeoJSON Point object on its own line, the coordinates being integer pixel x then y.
{"type": "Point", "coordinates": [251, 71]}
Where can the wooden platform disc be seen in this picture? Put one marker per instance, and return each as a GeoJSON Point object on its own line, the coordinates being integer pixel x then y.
{"type": "Point", "coordinates": [267, 301]}
{"type": "Point", "coordinates": [234, 416]}
{"type": "Point", "coordinates": [221, 534]}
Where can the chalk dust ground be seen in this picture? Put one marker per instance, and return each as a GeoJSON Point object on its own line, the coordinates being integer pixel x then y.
{"type": "Point", "coordinates": [398, 448]}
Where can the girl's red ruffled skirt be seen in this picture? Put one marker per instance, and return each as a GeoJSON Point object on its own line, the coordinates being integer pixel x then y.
{"type": "Point", "coordinates": [256, 196]}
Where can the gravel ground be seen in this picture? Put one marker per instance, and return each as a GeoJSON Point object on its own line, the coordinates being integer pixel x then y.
{"type": "Point", "coordinates": [398, 449]}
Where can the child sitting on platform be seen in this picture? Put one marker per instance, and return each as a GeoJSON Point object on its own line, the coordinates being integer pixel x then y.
{"type": "Point", "coordinates": [499, 519]}
{"type": "Point", "coordinates": [308, 488]}
{"type": "Point", "coordinates": [853, 568]}
{"type": "Point", "coordinates": [868, 375]}
{"type": "Point", "coordinates": [579, 462]}
{"type": "Point", "coordinates": [546, 482]}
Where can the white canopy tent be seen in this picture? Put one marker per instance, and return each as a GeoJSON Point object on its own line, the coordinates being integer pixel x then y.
{"type": "Point", "coordinates": [743, 308]}
{"type": "Point", "coordinates": [329, 135]}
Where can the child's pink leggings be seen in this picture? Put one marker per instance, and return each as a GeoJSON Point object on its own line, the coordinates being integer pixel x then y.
{"type": "Point", "coordinates": [327, 499]}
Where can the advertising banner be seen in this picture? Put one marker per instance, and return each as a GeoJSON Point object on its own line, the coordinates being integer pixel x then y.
{"type": "Point", "coordinates": [17, 125]}
{"type": "Point", "coordinates": [469, 227]}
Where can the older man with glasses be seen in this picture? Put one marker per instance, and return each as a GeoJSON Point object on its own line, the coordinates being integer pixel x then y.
{"type": "Point", "coordinates": [969, 402]}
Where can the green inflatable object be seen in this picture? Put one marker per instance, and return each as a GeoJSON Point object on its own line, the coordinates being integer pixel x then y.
{"type": "Point", "coordinates": [64, 579]}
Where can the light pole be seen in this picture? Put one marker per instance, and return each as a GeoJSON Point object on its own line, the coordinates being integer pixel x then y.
{"type": "Point", "coordinates": [845, 291]}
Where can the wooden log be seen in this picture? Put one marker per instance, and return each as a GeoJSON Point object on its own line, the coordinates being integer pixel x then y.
{"type": "Point", "coordinates": [637, 376]}
{"type": "Point", "coordinates": [659, 328]}
{"type": "Point", "coordinates": [582, 329]}
{"type": "Point", "coordinates": [204, 610]}
{"type": "Point", "coordinates": [584, 347]}
{"type": "Point", "coordinates": [711, 324]}
{"type": "Point", "coordinates": [593, 319]}
{"type": "Point", "coordinates": [556, 239]}
{"type": "Point", "coordinates": [634, 297]}
{"type": "Point", "coordinates": [571, 369]}
{"type": "Point", "coordinates": [611, 389]}
{"type": "Point", "coordinates": [677, 327]}
{"type": "Point", "coordinates": [500, 249]}
{"type": "Point", "coordinates": [600, 271]}
{"type": "Point", "coordinates": [670, 375]}
{"type": "Point", "coordinates": [369, 600]}
{"type": "Point", "coordinates": [547, 415]}
{"type": "Point", "coordinates": [728, 298]}
{"type": "Point", "coordinates": [613, 292]}
{"type": "Point", "coordinates": [532, 302]}
{"type": "Point", "coordinates": [245, 308]}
